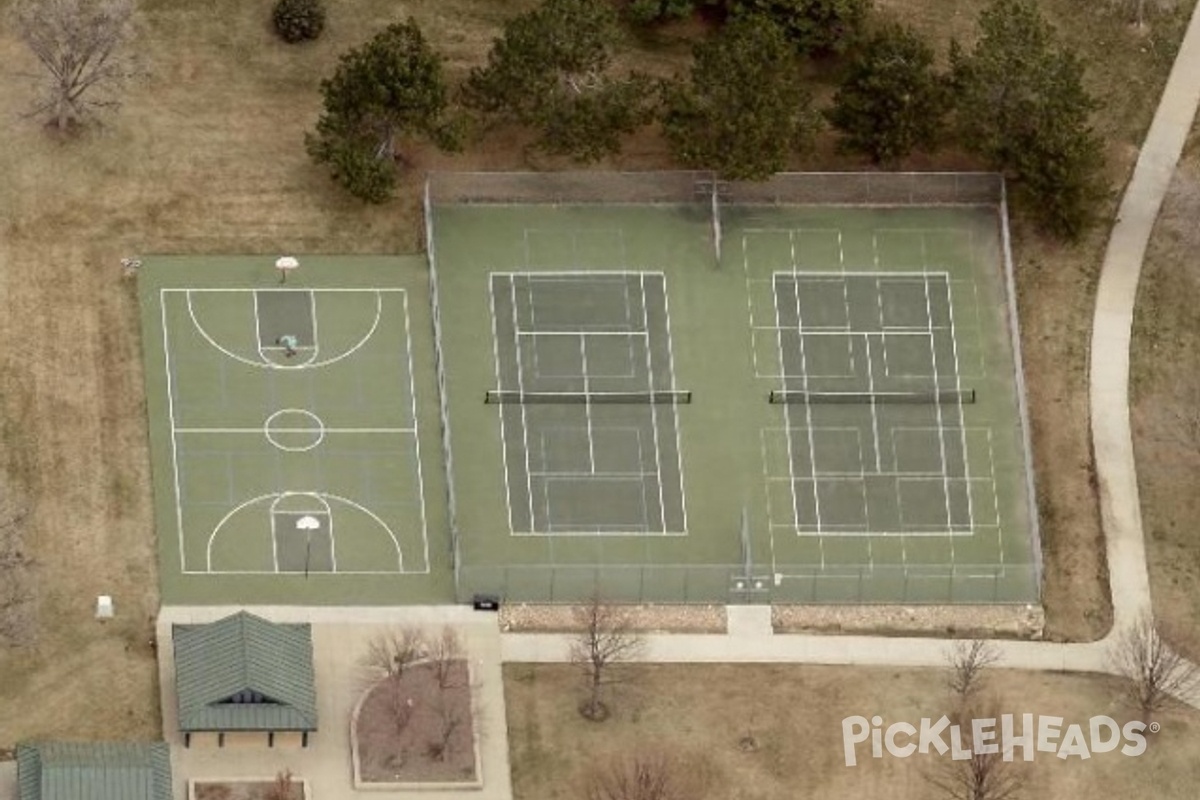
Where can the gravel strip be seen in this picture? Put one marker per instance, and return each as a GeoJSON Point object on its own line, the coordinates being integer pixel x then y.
{"type": "Point", "coordinates": [1013, 621]}
{"type": "Point", "coordinates": [645, 618]}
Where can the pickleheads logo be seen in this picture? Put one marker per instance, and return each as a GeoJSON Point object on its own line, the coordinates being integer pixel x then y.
{"type": "Point", "coordinates": [1030, 733]}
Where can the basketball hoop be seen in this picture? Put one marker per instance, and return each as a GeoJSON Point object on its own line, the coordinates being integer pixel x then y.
{"type": "Point", "coordinates": [285, 264]}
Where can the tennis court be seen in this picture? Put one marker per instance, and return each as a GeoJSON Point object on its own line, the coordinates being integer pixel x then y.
{"type": "Point", "coordinates": [291, 461]}
{"type": "Point", "coordinates": [576, 353]}
{"type": "Point", "coordinates": [671, 389]}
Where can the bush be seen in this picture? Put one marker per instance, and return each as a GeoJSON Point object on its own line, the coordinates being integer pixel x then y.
{"type": "Point", "coordinates": [648, 12]}
{"type": "Point", "coordinates": [299, 20]}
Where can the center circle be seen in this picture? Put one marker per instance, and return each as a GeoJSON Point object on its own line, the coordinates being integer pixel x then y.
{"type": "Point", "coordinates": [294, 430]}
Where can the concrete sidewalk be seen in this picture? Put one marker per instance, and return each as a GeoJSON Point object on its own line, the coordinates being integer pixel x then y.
{"type": "Point", "coordinates": [1112, 440]}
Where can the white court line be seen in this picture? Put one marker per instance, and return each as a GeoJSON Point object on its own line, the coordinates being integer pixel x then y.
{"type": "Point", "coordinates": [631, 475]}
{"type": "Point", "coordinates": [271, 365]}
{"type": "Point", "coordinates": [587, 412]}
{"type": "Point", "coordinates": [312, 350]}
{"type": "Point", "coordinates": [828, 332]}
{"type": "Point", "coordinates": [321, 496]}
{"type": "Point", "coordinates": [512, 283]}
{"type": "Point", "coordinates": [259, 430]}
{"type": "Point", "coordinates": [812, 455]}
{"type": "Point", "coordinates": [598, 274]}
{"type": "Point", "coordinates": [871, 379]}
{"type": "Point", "coordinates": [577, 332]}
{"type": "Point", "coordinates": [176, 430]}
{"type": "Point", "coordinates": [274, 536]}
{"type": "Point", "coordinates": [500, 409]}
{"type": "Point", "coordinates": [966, 456]}
{"type": "Point", "coordinates": [162, 304]}
{"type": "Point", "coordinates": [674, 387]}
{"type": "Point", "coordinates": [662, 507]}
{"type": "Point", "coordinates": [420, 465]}
{"type": "Point", "coordinates": [937, 387]}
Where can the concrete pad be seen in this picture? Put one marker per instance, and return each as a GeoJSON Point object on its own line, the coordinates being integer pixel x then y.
{"type": "Point", "coordinates": [749, 621]}
{"type": "Point", "coordinates": [340, 638]}
{"type": "Point", "coordinates": [8, 780]}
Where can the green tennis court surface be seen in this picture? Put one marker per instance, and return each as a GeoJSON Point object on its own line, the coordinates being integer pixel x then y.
{"type": "Point", "coordinates": [293, 461]}
{"type": "Point", "coordinates": [828, 412]}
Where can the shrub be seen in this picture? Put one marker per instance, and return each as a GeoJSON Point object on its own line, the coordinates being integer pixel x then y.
{"type": "Point", "coordinates": [299, 20]}
{"type": "Point", "coordinates": [648, 12]}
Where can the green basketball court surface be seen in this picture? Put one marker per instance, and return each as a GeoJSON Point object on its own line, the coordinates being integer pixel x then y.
{"type": "Point", "coordinates": [296, 458]}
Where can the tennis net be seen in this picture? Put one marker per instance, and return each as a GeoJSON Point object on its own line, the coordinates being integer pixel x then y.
{"type": "Point", "coordinates": [497, 396]}
{"type": "Point", "coordinates": [932, 397]}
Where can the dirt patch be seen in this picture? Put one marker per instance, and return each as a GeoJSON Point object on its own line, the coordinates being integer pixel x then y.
{"type": "Point", "coordinates": [565, 619]}
{"type": "Point", "coordinates": [411, 728]}
{"type": "Point", "coordinates": [1016, 622]}
{"type": "Point", "coordinates": [1165, 377]}
{"type": "Point", "coordinates": [774, 732]}
{"type": "Point", "coordinates": [249, 790]}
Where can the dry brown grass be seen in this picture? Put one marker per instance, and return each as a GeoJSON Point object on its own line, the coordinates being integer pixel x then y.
{"type": "Point", "coordinates": [1166, 405]}
{"type": "Point", "coordinates": [705, 714]}
{"type": "Point", "coordinates": [207, 157]}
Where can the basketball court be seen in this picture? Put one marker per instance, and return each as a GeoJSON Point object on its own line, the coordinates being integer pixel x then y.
{"type": "Point", "coordinates": [290, 439]}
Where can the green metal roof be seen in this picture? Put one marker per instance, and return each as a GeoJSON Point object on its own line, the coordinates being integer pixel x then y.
{"type": "Point", "coordinates": [245, 655]}
{"type": "Point", "coordinates": [93, 771]}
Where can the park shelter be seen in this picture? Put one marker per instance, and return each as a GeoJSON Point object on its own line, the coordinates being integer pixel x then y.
{"type": "Point", "coordinates": [93, 771]}
{"type": "Point", "coordinates": [244, 678]}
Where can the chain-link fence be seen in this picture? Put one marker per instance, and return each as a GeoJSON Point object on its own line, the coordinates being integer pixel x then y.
{"type": "Point", "coordinates": [443, 407]}
{"type": "Point", "coordinates": [732, 583]}
{"type": "Point", "coordinates": [791, 188]}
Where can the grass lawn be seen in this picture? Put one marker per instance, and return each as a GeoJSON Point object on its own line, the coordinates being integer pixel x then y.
{"type": "Point", "coordinates": [1166, 407]}
{"type": "Point", "coordinates": [207, 157]}
{"type": "Point", "coordinates": [701, 714]}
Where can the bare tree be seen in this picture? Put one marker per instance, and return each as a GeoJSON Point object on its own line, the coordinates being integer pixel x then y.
{"type": "Point", "coordinates": [606, 639]}
{"type": "Point", "coordinates": [281, 787]}
{"type": "Point", "coordinates": [399, 702]}
{"type": "Point", "coordinates": [968, 660]}
{"type": "Point", "coordinates": [450, 716]}
{"type": "Point", "coordinates": [982, 776]}
{"type": "Point", "coordinates": [644, 775]}
{"type": "Point", "coordinates": [444, 653]}
{"type": "Point", "coordinates": [392, 652]}
{"type": "Point", "coordinates": [16, 574]}
{"type": "Point", "coordinates": [83, 49]}
{"type": "Point", "coordinates": [1154, 670]}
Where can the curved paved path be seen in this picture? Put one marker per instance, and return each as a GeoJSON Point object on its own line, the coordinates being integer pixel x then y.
{"type": "Point", "coordinates": [749, 638]}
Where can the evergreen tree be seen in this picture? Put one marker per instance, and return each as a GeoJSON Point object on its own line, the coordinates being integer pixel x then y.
{"type": "Point", "coordinates": [390, 87]}
{"type": "Point", "coordinates": [551, 70]}
{"type": "Point", "coordinates": [744, 110]}
{"type": "Point", "coordinates": [1021, 104]}
{"type": "Point", "coordinates": [891, 100]}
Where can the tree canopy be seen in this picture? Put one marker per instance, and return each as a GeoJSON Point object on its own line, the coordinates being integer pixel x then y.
{"type": "Point", "coordinates": [817, 27]}
{"type": "Point", "coordinates": [1022, 105]}
{"type": "Point", "coordinates": [891, 100]}
{"type": "Point", "coordinates": [743, 111]}
{"type": "Point", "coordinates": [390, 87]}
{"type": "Point", "coordinates": [552, 70]}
